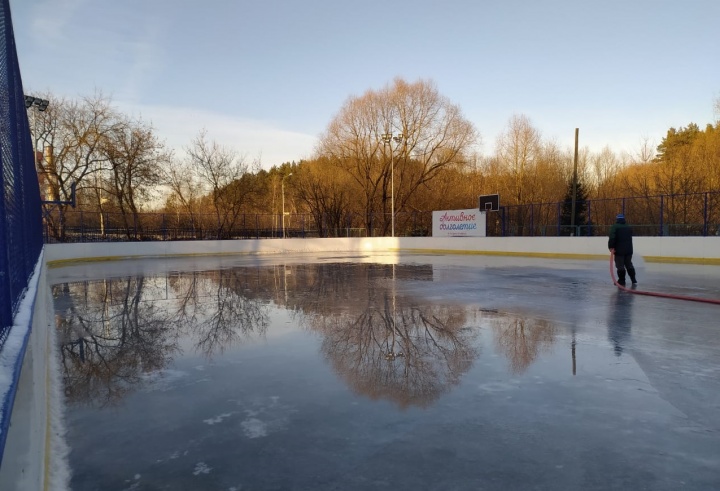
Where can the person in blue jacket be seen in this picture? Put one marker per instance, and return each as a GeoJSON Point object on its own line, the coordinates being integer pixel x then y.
{"type": "Point", "coordinates": [621, 244]}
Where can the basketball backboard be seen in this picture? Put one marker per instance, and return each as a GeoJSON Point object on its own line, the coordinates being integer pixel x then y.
{"type": "Point", "coordinates": [489, 202]}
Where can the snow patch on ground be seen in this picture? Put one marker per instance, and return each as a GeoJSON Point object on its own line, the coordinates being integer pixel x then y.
{"type": "Point", "coordinates": [201, 468]}
{"type": "Point", "coordinates": [263, 417]}
{"type": "Point", "coordinates": [53, 467]}
{"type": "Point", "coordinates": [254, 428]}
{"type": "Point", "coordinates": [13, 349]}
{"type": "Point", "coordinates": [217, 419]}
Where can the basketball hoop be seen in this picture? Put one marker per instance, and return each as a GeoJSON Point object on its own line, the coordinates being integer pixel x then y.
{"type": "Point", "coordinates": [489, 202]}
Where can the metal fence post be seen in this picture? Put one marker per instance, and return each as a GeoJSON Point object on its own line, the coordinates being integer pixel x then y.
{"type": "Point", "coordinates": [662, 213]}
{"type": "Point", "coordinates": [502, 222]}
{"type": "Point", "coordinates": [559, 220]}
{"type": "Point", "coordinates": [705, 216]}
{"type": "Point", "coordinates": [6, 300]}
{"type": "Point", "coordinates": [532, 221]}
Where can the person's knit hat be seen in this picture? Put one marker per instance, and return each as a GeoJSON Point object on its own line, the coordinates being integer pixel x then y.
{"type": "Point", "coordinates": [620, 216]}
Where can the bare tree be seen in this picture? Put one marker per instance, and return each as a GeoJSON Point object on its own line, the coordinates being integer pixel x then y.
{"type": "Point", "coordinates": [553, 169]}
{"type": "Point", "coordinates": [432, 133]}
{"type": "Point", "coordinates": [606, 166]}
{"type": "Point", "coordinates": [185, 194]}
{"type": "Point", "coordinates": [646, 152]}
{"type": "Point", "coordinates": [135, 158]}
{"type": "Point", "coordinates": [68, 137]}
{"type": "Point", "coordinates": [518, 150]}
{"type": "Point", "coordinates": [326, 196]}
{"type": "Point", "coordinates": [224, 177]}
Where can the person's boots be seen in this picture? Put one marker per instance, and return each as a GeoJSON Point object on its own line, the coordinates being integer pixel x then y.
{"type": "Point", "coordinates": [631, 272]}
{"type": "Point", "coordinates": [621, 277]}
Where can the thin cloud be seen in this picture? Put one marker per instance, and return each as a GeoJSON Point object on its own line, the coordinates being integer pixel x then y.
{"type": "Point", "coordinates": [256, 140]}
{"type": "Point", "coordinates": [148, 55]}
{"type": "Point", "coordinates": [51, 19]}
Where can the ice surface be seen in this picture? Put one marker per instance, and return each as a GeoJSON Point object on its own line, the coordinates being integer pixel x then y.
{"type": "Point", "coordinates": [364, 372]}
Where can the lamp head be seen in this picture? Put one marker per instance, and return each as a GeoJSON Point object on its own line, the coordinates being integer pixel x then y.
{"type": "Point", "coordinates": [41, 104]}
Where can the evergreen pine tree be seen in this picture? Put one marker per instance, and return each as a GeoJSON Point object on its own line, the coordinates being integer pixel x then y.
{"type": "Point", "coordinates": [580, 211]}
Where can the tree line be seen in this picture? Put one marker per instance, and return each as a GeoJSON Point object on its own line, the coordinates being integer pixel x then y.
{"type": "Point", "coordinates": [403, 148]}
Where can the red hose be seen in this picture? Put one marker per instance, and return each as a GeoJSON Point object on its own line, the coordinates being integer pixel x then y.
{"type": "Point", "coordinates": [654, 294]}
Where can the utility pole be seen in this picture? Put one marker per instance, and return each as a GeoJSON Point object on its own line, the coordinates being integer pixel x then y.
{"type": "Point", "coordinates": [574, 188]}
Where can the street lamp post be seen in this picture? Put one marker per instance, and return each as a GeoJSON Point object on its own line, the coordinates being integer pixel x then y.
{"type": "Point", "coordinates": [40, 105]}
{"type": "Point", "coordinates": [387, 139]}
{"type": "Point", "coordinates": [282, 185]}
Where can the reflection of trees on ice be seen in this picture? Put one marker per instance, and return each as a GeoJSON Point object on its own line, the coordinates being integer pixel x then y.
{"type": "Point", "coordinates": [522, 339]}
{"type": "Point", "coordinates": [109, 337]}
{"type": "Point", "coordinates": [215, 310]}
{"type": "Point", "coordinates": [114, 331]}
{"type": "Point", "coordinates": [384, 342]}
{"type": "Point", "coordinates": [410, 355]}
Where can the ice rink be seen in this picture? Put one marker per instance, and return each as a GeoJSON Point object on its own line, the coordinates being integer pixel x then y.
{"type": "Point", "coordinates": [410, 372]}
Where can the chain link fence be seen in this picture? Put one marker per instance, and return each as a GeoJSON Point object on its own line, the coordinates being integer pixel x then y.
{"type": "Point", "coordinates": [692, 214]}
{"type": "Point", "coordinates": [88, 226]}
{"type": "Point", "coordinates": [20, 209]}
{"type": "Point", "coordinates": [666, 215]}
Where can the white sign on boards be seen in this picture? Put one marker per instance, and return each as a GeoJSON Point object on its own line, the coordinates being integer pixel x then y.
{"type": "Point", "coordinates": [459, 223]}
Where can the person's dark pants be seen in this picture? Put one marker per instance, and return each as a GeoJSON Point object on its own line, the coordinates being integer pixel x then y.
{"type": "Point", "coordinates": [623, 263]}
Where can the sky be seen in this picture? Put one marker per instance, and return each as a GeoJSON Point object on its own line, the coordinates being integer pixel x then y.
{"type": "Point", "coordinates": [266, 77]}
